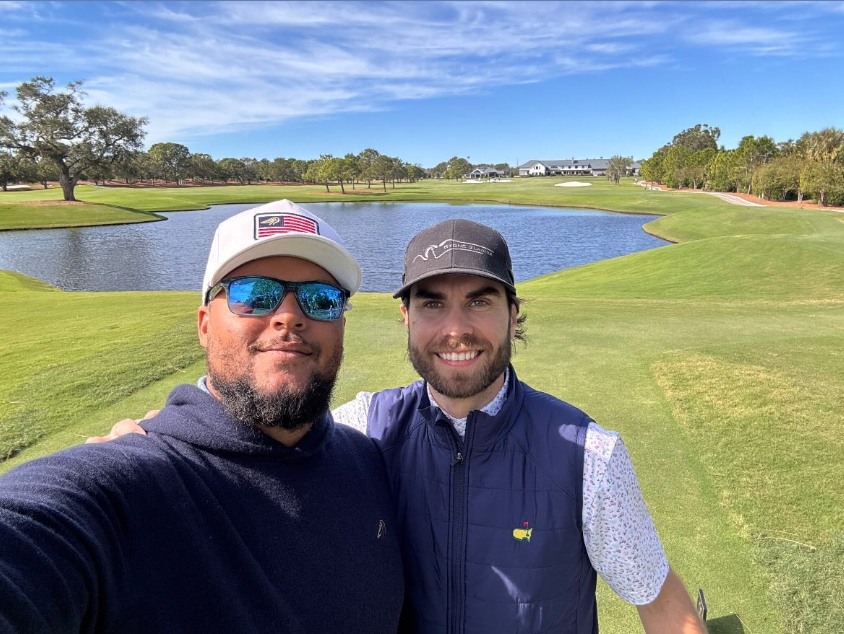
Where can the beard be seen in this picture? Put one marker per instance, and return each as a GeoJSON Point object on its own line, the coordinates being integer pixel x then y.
{"type": "Point", "coordinates": [288, 407]}
{"type": "Point", "coordinates": [460, 385]}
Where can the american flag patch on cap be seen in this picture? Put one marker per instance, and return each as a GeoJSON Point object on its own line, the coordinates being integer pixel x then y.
{"type": "Point", "coordinates": [274, 224]}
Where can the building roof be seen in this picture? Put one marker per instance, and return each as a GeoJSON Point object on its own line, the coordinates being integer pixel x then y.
{"type": "Point", "coordinates": [600, 163]}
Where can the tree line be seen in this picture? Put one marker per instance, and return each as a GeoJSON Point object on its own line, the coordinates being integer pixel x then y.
{"type": "Point", "coordinates": [812, 166]}
{"type": "Point", "coordinates": [57, 138]}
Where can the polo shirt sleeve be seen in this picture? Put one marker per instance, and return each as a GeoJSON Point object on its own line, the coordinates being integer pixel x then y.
{"type": "Point", "coordinates": [618, 531]}
{"type": "Point", "coordinates": [355, 412]}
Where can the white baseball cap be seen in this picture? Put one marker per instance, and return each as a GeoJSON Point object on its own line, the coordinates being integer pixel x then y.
{"type": "Point", "coordinates": [279, 228]}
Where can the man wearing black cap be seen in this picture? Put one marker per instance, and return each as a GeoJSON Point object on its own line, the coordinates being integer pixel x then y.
{"type": "Point", "coordinates": [511, 502]}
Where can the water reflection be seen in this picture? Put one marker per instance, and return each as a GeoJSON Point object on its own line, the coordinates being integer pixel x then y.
{"type": "Point", "coordinates": [171, 255]}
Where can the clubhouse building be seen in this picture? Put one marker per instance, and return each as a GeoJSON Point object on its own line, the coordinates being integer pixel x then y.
{"type": "Point", "coordinates": [573, 167]}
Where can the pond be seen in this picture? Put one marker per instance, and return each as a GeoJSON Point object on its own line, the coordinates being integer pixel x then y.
{"type": "Point", "coordinates": [171, 255]}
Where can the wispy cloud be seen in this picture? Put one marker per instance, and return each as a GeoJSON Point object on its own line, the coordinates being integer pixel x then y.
{"type": "Point", "coordinates": [201, 68]}
{"type": "Point", "coordinates": [755, 40]}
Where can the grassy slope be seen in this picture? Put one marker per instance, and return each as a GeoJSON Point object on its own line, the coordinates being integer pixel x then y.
{"type": "Point", "coordinates": [720, 359]}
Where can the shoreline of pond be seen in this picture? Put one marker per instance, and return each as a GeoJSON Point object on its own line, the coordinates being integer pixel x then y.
{"type": "Point", "coordinates": [128, 257]}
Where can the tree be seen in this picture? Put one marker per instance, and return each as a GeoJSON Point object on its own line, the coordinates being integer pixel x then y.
{"type": "Point", "coordinates": [332, 170]}
{"type": "Point", "coordinates": [298, 167]}
{"type": "Point", "coordinates": [779, 178]}
{"type": "Point", "coordinates": [172, 159]}
{"type": "Point", "coordinates": [326, 169]}
{"type": "Point", "coordinates": [824, 146]}
{"type": "Point", "coordinates": [202, 167]}
{"type": "Point", "coordinates": [382, 169]}
{"type": "Point", "coordinates": [414, 172]}
{"type": "Point", "coordinates": [685, 159]}
{"type": "Point", "coordinates": [721, 174]}
{"type": "Point", "coordinates": [398, 171]}
{"type": "Point", "coordinates": [504, 168]}
{"type": "Point", "coordinates": [145, 167]}
{"type": "Point", "coordinates": [279, 170]}
{"type": "Point", "coordinates": [699, 137]}
{"type": "Point", "coordinates": [251, 171]}
{"type": "Point", "coordinates": [683, 167]}
{"type": "Point", "coordinates": [457, 168]}
{"type": "Point", "coordinates": [230, 168]}
{"type": "Point", "coordinates": [823, 168]}
{"type": "Point", "coordinates": [350, 169]}
{"type": "Point", "coordinates": [57, 127]}
{"type": "Point", "coordinates": [439, 170]}
{"type": "Point", "coordinates": [99, 173]}
{"type": "Point", "coordinates": [44, 172]}
{"type": "Point", "coordinates": [10, 169]}
{"type": "Point", "coordinates": [312, 173]}
{"type": "Point", "coordinates": [651, 169]}
{"type": "Point", "coordinates": [675, 165]}
{"type": "Point", "coordinates": [617, 168]}
{"type": "Point", "coordinates": [127, 168]}
{"type": "Point", "coordinates": [824, 180]}
{"type": "Point", "coordinates": [366, 165]}
{"type": "Point", "coordinates": [751, 153]}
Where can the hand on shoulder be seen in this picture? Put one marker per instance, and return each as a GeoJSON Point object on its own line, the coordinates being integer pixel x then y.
{"type": "Point", "coordinates": [122, 427]}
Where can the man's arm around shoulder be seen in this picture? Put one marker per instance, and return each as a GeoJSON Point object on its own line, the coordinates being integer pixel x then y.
{"type": "Point", "coordinates": [672, 611]}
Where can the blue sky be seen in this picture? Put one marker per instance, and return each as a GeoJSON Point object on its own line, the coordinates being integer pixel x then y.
{"type": "Point", "coordinates": [425, 81]}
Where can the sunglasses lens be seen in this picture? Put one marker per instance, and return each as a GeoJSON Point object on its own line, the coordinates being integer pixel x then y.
{"type": "Point", "coordinates": [258, 296]}
{"type": "Point", "coordinates": [321, 301]}
{"type": "Point", "coordinates": [254, 295]}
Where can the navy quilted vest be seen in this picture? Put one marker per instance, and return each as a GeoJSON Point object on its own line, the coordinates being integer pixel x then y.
{"type": "Point", "coordinates": [491, 525]}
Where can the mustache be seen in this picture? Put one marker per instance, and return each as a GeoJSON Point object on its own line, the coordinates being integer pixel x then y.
{"type": "Point", "coordinates": [286, 338]}
{"type": "Point", "coordinates": [457, 343]}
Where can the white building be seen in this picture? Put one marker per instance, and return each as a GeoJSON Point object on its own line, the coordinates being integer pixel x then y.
{"type": "Point", "coordinates": [573, 167]}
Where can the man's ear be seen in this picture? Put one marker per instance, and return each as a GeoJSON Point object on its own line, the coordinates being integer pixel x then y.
{"type": "Point", "coordinates": [514, 320]}
{"type": "Point", "coordinates": [203, 317]}
{"type": "Point", "coordinates": [404, 314]}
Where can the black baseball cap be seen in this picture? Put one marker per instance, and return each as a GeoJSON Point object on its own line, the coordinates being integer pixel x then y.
{"type": "Point", "coordinates": [457, 246]}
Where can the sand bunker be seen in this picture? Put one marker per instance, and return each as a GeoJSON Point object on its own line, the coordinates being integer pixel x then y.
{"type": "Point", "coordinates": [573, 184]}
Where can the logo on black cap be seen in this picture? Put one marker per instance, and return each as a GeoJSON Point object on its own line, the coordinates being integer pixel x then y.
{"type": "Point", "coordinates": [439, 250]}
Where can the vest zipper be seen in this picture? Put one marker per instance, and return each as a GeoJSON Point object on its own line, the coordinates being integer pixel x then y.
{"type": "Point", "coordinates": [458, 520]}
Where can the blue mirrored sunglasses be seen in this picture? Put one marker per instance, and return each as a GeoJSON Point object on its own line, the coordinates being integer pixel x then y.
{"type": "Point", "coordinates": [256, 296]}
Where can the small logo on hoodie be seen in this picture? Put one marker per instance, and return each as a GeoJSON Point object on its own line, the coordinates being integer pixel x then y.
{"type": "Point", "coordinates": [382, 529]}
{"type": "Point", "coordinates": [522, 534]}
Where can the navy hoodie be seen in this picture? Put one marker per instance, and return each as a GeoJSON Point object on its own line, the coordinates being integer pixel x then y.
{"type": "Point", "coordinates": [204, 525]}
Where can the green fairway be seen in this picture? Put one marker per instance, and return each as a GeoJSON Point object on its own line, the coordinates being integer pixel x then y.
{"type": "Point", "coordinates": [527, 191]}
{"type": "Point", "coordinates": [719, 358]}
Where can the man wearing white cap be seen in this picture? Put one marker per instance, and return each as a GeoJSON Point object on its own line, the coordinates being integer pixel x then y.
{"type": "Point", "coordinates": [244, 508]}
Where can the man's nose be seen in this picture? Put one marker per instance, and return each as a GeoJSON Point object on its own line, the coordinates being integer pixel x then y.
{"type": "Point", "coordinates": [456, 323]}
{"type": "Point", "coordinates": [289, 314]}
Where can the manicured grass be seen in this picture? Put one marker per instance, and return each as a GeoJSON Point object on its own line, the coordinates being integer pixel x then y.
{"type": "Point", "coordinates": [533, 191]}
{"type": "Point", "coordinates": [738, 268]}
{"type": "Point", "coordinates": [24, 216]}
{"type": "Point", "coordinates": [67, 355]}
{"type": "Point", "coordinates": [12, 281]}
{"type": "Point", "coordinates": [719, 359]}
